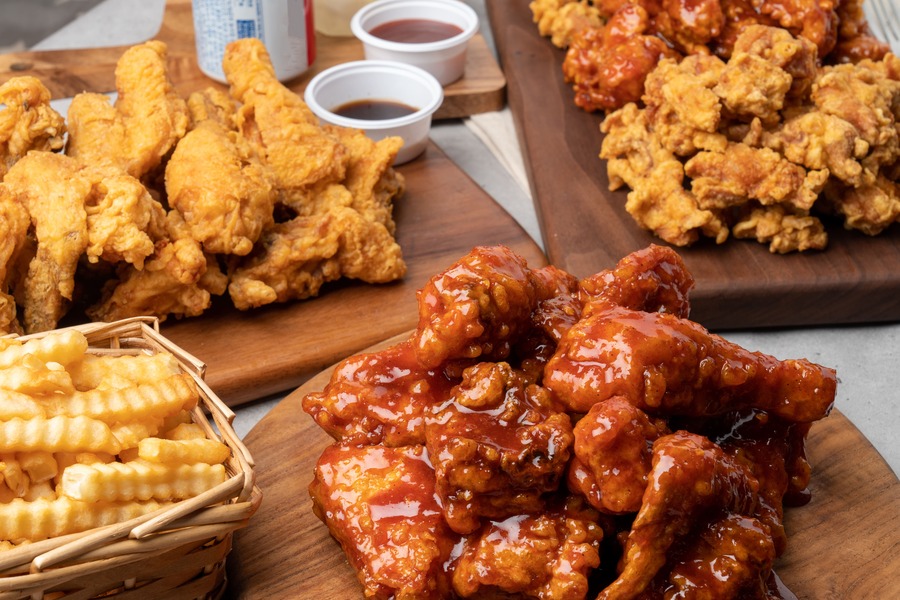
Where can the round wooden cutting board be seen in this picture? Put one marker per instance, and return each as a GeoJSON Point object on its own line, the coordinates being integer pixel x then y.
{"type": "Point", "coordinates": [844, 544]}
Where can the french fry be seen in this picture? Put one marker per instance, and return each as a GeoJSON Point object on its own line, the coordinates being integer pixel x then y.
{"type": "Point", "coordinates": [58, 434]}
{"type": "Point", "coordinates": [63, 347]}
{"type": "Point", "coordinates": [131, 433]}
{"type": "Point", "coordinates": [34, 376]}
{"type": "Point", "coordinates": [183, 451]}
{"type": "Point", "coordinates": [40, 466]}
{"type": "Point", "coordinates": [15, 404]}
{"type": "Point", "coordinates": [37, 491]}
{"type": "Point", "coordinates": [139, 480]}
{"type": "Point", "coordinates": [43, 518]}
{"type": "Point", "coordinates": [148, 400]}
{"type": "Point", "coordinates": [186, 431]}
{"type": "Point", "coordinates": [13, 475]}
{"type": "Point", "coordinates": [95, 371]}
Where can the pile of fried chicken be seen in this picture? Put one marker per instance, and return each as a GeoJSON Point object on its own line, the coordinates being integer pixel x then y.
{"type": "Point", "coordinates": [750, 121]}
{"type": "Point", "coordinates": [541, 436]}
{"type": "Point", "coordinates": [153, 204]}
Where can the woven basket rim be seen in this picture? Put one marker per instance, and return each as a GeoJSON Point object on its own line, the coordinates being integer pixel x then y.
{"type": "Point", "coordinates": [28, 570]}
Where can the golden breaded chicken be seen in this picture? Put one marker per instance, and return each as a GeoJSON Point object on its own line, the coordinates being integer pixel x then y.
{"type": "Point", "coordinates": [52, 189]}
{"type": "Point", "coordinates": [27, 121]}
{"type": "Point", "coordinates": [14, 225]}
{"type": "Point", "coordinates": [141, 127]}
{"type": "Point", "coordinates": [277, 122]}
{"type": "Point", "coordinates": [225, 195]}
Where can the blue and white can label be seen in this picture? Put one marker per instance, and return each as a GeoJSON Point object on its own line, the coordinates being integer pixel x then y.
{"type": "Point", "coordinates": [284, 26]}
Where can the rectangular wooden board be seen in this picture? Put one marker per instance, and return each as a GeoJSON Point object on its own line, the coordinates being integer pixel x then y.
{"type": "Point", "coordinates": [586, 228]}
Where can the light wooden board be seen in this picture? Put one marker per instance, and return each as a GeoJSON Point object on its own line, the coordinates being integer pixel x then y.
{"type": "Point", "coordinates": [68, 72]}
{"type": "Point", "coordinates": [844, 544]}
{"type": "Point", "coordinates": [586, 228]}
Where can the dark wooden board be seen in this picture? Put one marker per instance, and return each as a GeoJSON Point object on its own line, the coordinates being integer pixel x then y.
{"type": "Point", "coordinates": [68, 72]}
{"type": "Point", "coordinates": [586, 228]}
{"type": "Point", "coordinates": [844, 544]}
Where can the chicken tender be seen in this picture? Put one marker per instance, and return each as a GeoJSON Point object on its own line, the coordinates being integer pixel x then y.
{"type": "Point", "coordinates": [141, 127]}
{"type": "Point", "coordinates": [14, 225]}
{"type": "Point", "coordinates": [225, 195]}
{"type": "Point", "coordinates": [53, 191]}
{"type": "Point", "coordinates": [27, 121]}
{"type": "Point", "coordinates": [277, 123]}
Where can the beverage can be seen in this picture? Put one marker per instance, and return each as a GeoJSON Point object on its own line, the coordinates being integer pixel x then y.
{"type": "Point", "coordinates": [284, 26]}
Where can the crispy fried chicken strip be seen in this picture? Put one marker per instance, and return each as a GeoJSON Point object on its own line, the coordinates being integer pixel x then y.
{"type": "Point", "coordinates": [277, 123]}
{"type": "Point", "coordinates": [141, 127]}
{"type": "Point", "coordinates": [666, 365]}
{"type": "Point", "coordinates": [27, 121]}
{"type": "Point", "coordinates": [14, 225]}
{"type": "Point", "coordinates": [52, 189]}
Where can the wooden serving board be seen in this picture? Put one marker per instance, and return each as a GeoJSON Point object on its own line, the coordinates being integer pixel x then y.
{"type": "Point", "coordinates": [844, 544]}
{"type": "Point", "coordinates": [586, 228]}
{"type": "Point", "coordinates": [68, 72]}
{"type": "Point", "coordinates": [442, 216]}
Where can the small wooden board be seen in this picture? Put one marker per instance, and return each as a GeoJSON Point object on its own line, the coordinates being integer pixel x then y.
{"type": "Point", "coordinates": [844, 544]}
{"type": "Point", "coordinates": [586, 228]}
{"type": "Point", "coordinates": [69, 72]}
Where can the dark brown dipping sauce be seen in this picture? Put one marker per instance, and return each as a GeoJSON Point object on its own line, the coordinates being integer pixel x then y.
{"type": "Point", "coordinates": [415, 31]}
{"type": "Point", "coordinates": [374, 110]}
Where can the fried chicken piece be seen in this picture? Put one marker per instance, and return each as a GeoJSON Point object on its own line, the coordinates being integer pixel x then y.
{"type": "Point", "coordinates": [497, 445]}
{"type": "Point", "coordinates": [741, 173]}
{"type": "Point", "coordinates": [870, 207]}
{"type": "Point", "coordinates": [730, 556]}
{"type": "Point", "coordinates": [560, 19]}
{"type": "Point", "coordinates": [815, 20]}
{"type": "Point", "coordinates": [226, 196]}
{"type": "Point", "coordinates": [27, 121]}
{"type": "Point", "coordinates": [657, 201]}
{"type": "Point", "coordinates": [14, 226]}
{"type": "Point", "coordinates": [855, 41]}
{"type": "Point", "coordinates": [292, 260]}
{"type": "Point", "coordinates": [143, 125]}
{"type": "Point", "coordinates": [379, 398]}
{"type": "Point", "coordinates": [690, 25]}
{"type": "Point", "coordinates": [784, 230]}
{"type": "Point", "coordinates": [612, 453]}
{"type": "Point", "coordinates": [667, 365]}
{"type": "Point", "coordinates": [817, 140]}
{"type": "Point", "coordinates": [123, 220]}
{"type": "Point", "coordinates": [691, 478]}
{"type": "Point", "coordinates": [477, 307]}
{"type": "Point", "coordinates": [682, 111]}
{"type": "Point", "coordinates": [178, 280]}
{"type": "Point", "coordinates": [864, 96]}
{"type": "Point", "coordinates": [606, 66]}
{"type": "Point", "coordinates": [380, 505]}
{"type": "Point", "coordinates": [53, 191]}
{"type": "Point", "coordinates": [370, 178]}
{"type": "Point", "coordinates": [283, 131]}
{"type": "Point", "coordinates": [546, 555]}
{"type": "Point", "coordinates": [739, 16]}
{"type": "Point", "coordinates": [796, 56]}
{"type": "Point", "coordinates": [750, 86]}
{"type": "Point", "coordinates": [653, 279]}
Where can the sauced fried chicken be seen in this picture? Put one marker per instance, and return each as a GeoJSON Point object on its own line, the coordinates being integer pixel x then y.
{"type": "Point", "coordinates": [749, 146]}
{"type": "Point", "coordinates": [672, 482]}
{"type": "Point", "coordinates": [27, 121]}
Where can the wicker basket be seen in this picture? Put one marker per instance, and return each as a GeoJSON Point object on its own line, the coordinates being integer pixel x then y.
{"type": "Point", "coordinates": [173, 553]}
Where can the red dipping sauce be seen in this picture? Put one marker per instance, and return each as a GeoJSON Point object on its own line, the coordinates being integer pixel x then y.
{"type": "Point", "coordinates": [415, 31]}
